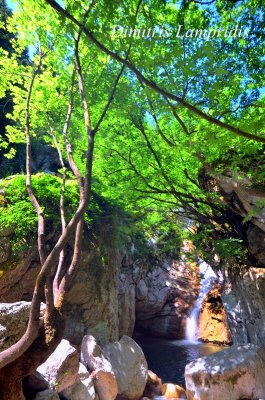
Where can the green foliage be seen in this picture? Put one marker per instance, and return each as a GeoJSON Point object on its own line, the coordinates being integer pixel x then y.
{"type": "Point", "coordinates": [18, 212]}
{"type": "Point", "coordinates": [148, 159]}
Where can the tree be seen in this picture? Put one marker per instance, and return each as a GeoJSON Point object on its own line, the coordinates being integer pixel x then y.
{"type": "Point", "coordinates": [161, 107]}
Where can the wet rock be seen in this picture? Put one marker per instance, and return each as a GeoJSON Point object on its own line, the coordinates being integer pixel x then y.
{"type": "Point", "coordinates": [234, 373]}
{"type": "Point", "coordinates": [129, 366]}
{"type": "Point", "coordinates": [61, 368]}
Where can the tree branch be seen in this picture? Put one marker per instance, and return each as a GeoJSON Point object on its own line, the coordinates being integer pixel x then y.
{"type": "Point", "coordinates": [150, 83]}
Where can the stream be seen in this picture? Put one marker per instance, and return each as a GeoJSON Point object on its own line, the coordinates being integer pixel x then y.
{"type": "Point", "coordinates": [167, 358]}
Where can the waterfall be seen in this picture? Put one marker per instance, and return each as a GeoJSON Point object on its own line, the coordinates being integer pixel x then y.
{"type": "Point", "coordinates": [207, 281]}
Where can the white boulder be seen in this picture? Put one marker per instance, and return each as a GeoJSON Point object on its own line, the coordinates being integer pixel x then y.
{"type": "Point", "coordinates": [105, 382]}
{"type": "Point", "coordinates": [129, 365]}
{"type": "Point", "coordinates": [61, 368]}
{"type": "Point", "coordinates": [234, 373]}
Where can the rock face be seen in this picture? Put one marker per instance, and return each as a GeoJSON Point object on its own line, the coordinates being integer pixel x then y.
{"type": "Point", "coordinates": [244, 303]}
{"type": "Point", "coordinates": [234, 373]}
{"type": "Point", "coordinates": [129, 365]}
{"type": "Point", "coordinates": [61, 368]}
{"type": "Point", "coordinates": [212, 323]}
{"type": "Point", "coordinates": [160, 292]}
{"type": "Point", "coordinates": [13, 321]}
{"type": "Point", "coordinates": [92, 302]}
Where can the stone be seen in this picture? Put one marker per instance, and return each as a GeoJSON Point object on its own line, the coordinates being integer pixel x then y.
{"type": "Point", "coordinates": [47, 395]}
{"type": "Point", "coordinates": [153, 385]}
{"type": "Point", "coordinates": [234, 373]}
{"type": "Point", "coordinates": [83, 389]}
{"type": "Point", "coordinates": [104, 378]}
{"type": "Point", "coordinates": [212, 323]}
{"type": "Point", "coordinates": [92, 301]}
{"type": "Point", "coordinates": [129, 365]}
{"type": "Point", "coordinates": [172, 391]}
{"type": "Point", "coordinates": [61, 368]}
{"type": "Point", "coordinates": [13, 321]}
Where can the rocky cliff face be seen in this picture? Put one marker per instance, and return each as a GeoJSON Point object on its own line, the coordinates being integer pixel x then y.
{"type": "Point", "coordinates": [160, 292]}
{"type": "Point", "coordinates": [158, 296]}
{"type": "Point", "coordinates": [92, 302]}
{"type": "Point", "coordinates": [244, 302]}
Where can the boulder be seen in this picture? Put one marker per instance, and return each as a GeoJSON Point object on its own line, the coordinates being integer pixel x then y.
{"type": "Point", "coordinates": [129, 365]}
{"type": "Point", "coordinates": [61, 368]}
{"type": "Point", "coordinates": [83, 389]}
{"type": "Point", "coordinates": [234, 373]}
{"type": "Point", "coordinates": [171, 391]}
{"type": "Point", "coordinates": [212, 324]}
{"type": "Point", "coordinates": [104, 378]}
{"type": "Point", "coordinates": [13, 321]}
{"type": "Point", "coordinates": [47, 395]}
{"type": "Point", "coordinates": [153, 386]}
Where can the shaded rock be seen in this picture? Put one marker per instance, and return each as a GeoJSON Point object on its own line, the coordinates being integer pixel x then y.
{"type": "Point", "coordinates": [164, 293]}
{"type": "Point", "coordinates": [13, 321]}
{"type": "Point", "coordinates": [234, 373]}
{"type": "Point", "coordinates": [34, 383]}
{"type": "Point", "coordinates": [92, 302]}
{"type": "Point", "coordinates": [103, 375]}
{"type": "Point", "coordinates": [83, 389]}
{"type": "Point", "coordinates": [126, 305]}
{"type": "Point", "coordinates": [244, 303]}
{"type": "Point", "coordinates": [129, 365]}
{"type": "Point", "coordinates": [47, 395]}
{"type": "Point", "coordinates": [61, 368]}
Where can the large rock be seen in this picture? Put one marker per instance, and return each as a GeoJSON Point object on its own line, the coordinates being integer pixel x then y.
{"type": "Point", "coordinates": [104, 378]}
{"type": "Point", "coordinates": [83, 389]}
{"type": "Point", "coordinates": [61, 368]}
{"type": "Point", "coordinates": [244, 303]}
{"type": "Point", "coordinates": [92, 302]}
{"type": "Point", "coordinates": [212, 324]}
{"type": "Point", "coordinates": [234, 373]}
{"type": "Point", "coordinates": [13, 321]}
{"type": "Point", "coordinates": [129, 365]}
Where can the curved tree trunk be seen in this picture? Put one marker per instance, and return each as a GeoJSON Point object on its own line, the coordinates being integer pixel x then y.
{"type": "Point", "coordinates": [12, 375]}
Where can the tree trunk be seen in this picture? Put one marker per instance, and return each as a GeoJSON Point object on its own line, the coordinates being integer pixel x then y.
{"type": "Point", "coordinates": [12, 375]}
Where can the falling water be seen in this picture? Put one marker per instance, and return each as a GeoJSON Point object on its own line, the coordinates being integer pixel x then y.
{"type": "Point", "coordinates": [207, 280]}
